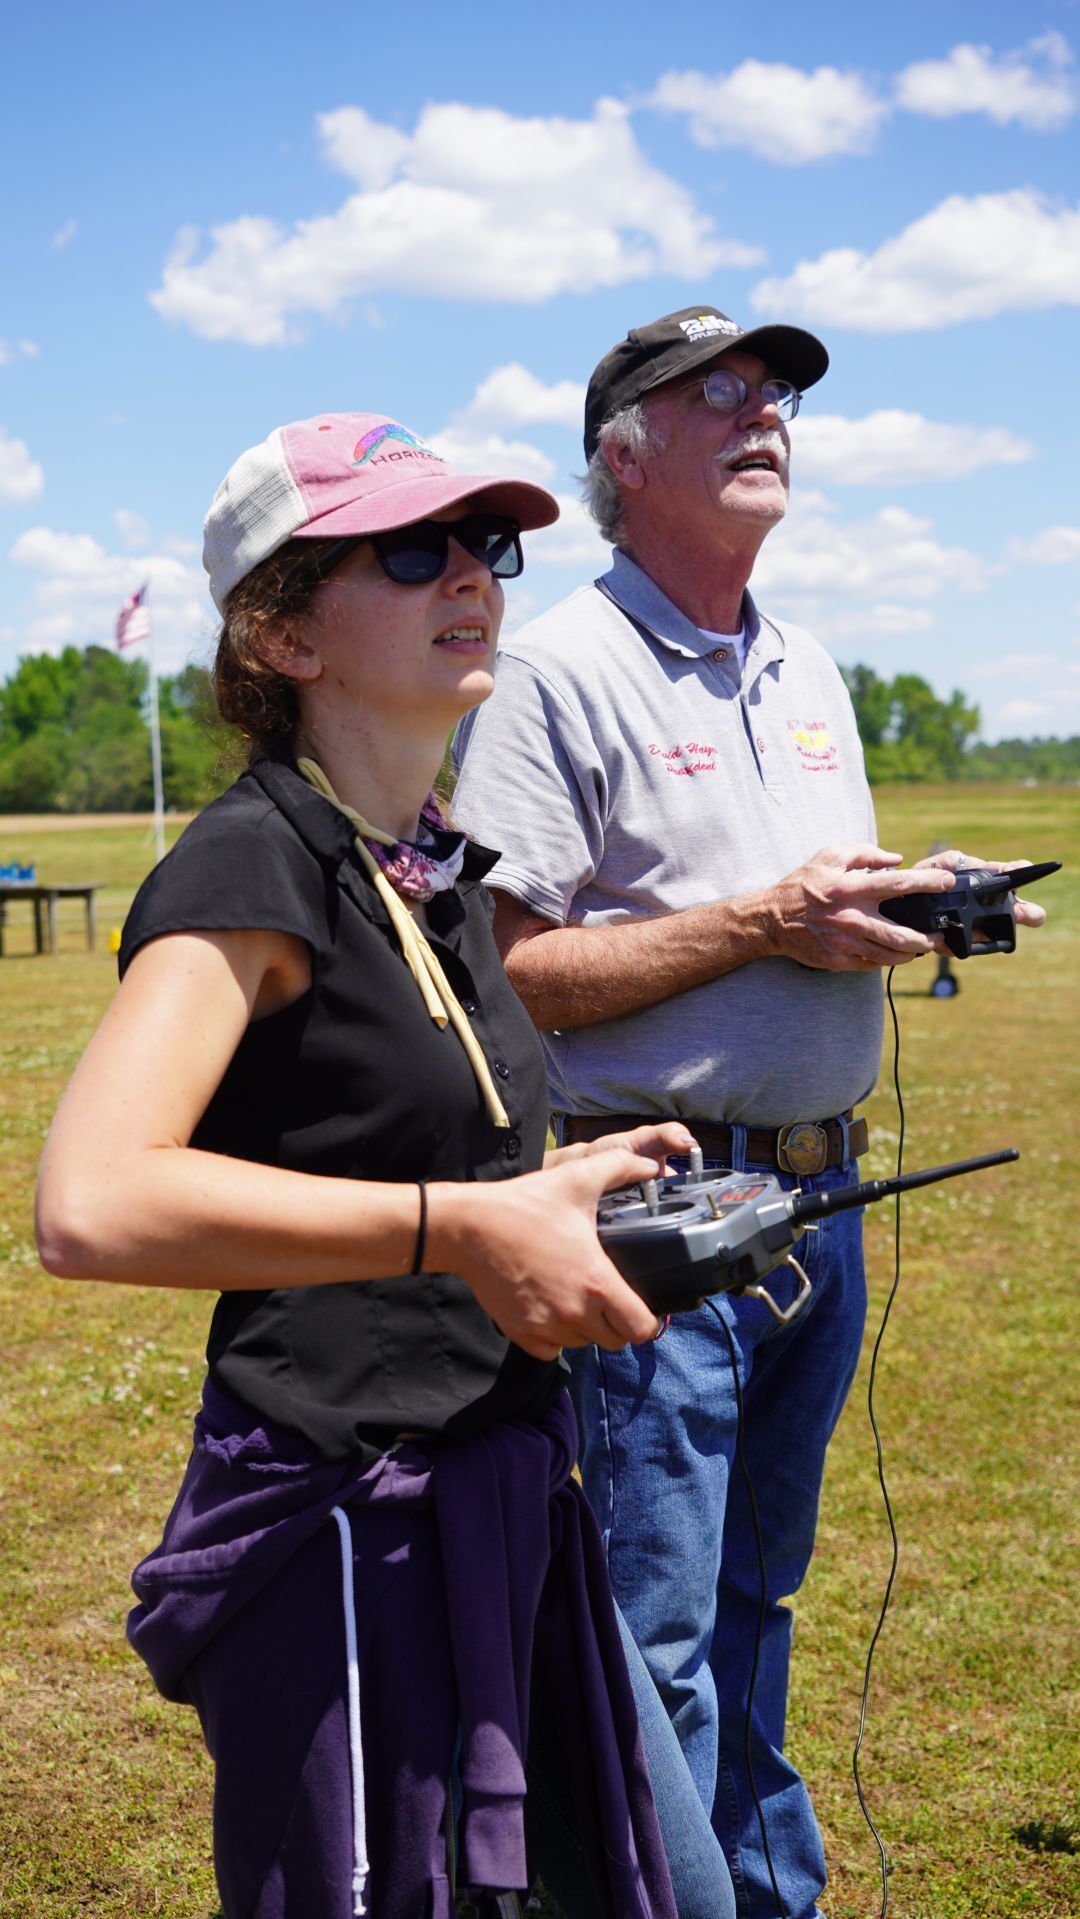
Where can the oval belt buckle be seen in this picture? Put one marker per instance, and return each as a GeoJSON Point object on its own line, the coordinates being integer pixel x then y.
{"type": "Point", "coordinates": [803, 1149]}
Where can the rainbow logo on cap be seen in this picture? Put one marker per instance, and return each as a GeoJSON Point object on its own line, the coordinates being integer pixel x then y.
{"type": "Point", "coordinates": [372, 440]}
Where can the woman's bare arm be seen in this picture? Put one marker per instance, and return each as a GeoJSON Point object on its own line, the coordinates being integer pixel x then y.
{"type": "Point", "coordinates": [123, 1196]}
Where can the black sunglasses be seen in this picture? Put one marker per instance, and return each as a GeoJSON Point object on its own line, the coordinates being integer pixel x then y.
{"type": "Point", "coordinates": [416, 554]}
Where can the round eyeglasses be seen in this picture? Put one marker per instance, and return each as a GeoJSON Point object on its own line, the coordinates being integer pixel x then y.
{"type": "Point", "coordinates": [726, 392]}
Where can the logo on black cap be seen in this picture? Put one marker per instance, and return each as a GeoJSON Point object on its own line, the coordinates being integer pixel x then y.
{"type": "Point", "coordinates": [704, 325]}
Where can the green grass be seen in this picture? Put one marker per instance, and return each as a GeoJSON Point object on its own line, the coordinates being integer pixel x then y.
{"type": "Point", "coordinates": [113, 858]}
{"type": "Point", "coordinates": [970, 1760]}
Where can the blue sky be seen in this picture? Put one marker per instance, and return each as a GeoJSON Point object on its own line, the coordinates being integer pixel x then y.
{"type": "Point", "coordinates": [219, 218]}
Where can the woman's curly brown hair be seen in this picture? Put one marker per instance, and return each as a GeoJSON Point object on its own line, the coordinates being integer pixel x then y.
{"type": "Point", "coordinates": [251, 693]}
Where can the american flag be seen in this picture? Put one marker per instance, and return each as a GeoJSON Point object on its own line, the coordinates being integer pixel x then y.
{"type": "Point", "coordinates": [133, 619]}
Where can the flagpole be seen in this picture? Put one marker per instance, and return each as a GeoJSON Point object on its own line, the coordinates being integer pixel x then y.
{"type": "Point", "coordinates": [155, 754]}
{"type": "Point", "coordinates": [133, 622]}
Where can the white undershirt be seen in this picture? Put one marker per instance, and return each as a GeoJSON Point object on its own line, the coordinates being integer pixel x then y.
{"type": "Point", "coordinates": [736, 641]}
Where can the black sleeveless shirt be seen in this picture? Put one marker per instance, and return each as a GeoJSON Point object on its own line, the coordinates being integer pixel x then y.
{"type": "Point", "coordinates": [355, 1081]}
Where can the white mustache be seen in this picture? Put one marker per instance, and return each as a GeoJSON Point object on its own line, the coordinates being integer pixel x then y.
{"type": "Point", "coordinates": [753, 442]}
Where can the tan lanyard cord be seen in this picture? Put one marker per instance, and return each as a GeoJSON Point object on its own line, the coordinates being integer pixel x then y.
{"type": "Point", "coordinates": [439, 996]}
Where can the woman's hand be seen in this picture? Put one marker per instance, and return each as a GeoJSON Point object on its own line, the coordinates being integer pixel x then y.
{"type": "Point", "coordinates": [528, 1248]}
{"type": "Point", "coordinates": [654, 1142]}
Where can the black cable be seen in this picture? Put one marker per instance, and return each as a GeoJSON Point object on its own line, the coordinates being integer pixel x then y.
{"type": "Point", "coordinates": [881, 1467]}
{"type": "Point", "coordinates": [740, 1454]}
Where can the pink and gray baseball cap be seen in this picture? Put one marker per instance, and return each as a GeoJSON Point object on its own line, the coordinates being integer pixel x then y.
{"type": "Point", "coordinates": [337, 474]}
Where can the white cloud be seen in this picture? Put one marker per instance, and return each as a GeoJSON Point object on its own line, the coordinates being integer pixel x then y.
{"type": "Point", "coordinates": [967, 259]}
{"type": "Point", "coordinates": [474, 204]}
{"type": "Point", "coordinates": [1031, 86]}
{"type": "Point", "coordinates": [1050, 548]}
{"type": "Point", "coordinates": [80, 587]}
{"type": "Point", "coordinates": [21, 478]}
{"type": "Point", "coordinates": [29, 350]}
{"type": "Point", "coordinates": [776, 111]}
{"type": "Point", "coordinates": [512, 396]}
{"type": "Point", "coordinates": [370, 152]}
{"type": "Point", "coordinates": [855, 625]}
{"type": "Point", "coordinates": [134, 531]}
{"type": "Point", "coordinates": [1052, 714]}
{"type": "Point", "coordinates": [791, 116]}
{"type": "Point", "coordinates": [75, 555]}
{"type": "Point", "coordinates": [1019, 666]}
{"type": "Point", "coordinates": [64, 235]}
{"type": "Point", "coordinates": [1046, 699]}
{"type": "Point", "coordinates": [888, 561]}
{"type": "Point", "coordinates": [476, 452]}
{"type": "Point", "coordinates": [474, 439]}
{"type": "Point", "coordinates": [521, 606]}
{"type": "Point", "coordinates": [891, 448]}
{"type": "Point", "coordinates": [574, 540]}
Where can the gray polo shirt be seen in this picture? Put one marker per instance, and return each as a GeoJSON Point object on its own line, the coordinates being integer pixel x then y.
{"type": "Point", "coordinates": [625, 768]}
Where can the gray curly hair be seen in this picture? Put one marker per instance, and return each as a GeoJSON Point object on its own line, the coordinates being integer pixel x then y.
{"type": "Point", "coordinates": [600, 490]}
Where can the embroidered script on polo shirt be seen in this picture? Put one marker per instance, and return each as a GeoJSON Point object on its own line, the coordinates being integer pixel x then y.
{"type": "Point", "coordinates": [693, 757]}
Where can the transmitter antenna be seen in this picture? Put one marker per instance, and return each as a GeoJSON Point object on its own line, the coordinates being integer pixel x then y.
{"type": "Point", "coordinates": [843, 1198]}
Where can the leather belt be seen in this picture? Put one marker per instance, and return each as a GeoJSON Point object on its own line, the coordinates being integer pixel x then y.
{"type": "Point", "coordinates": [804, 1148]}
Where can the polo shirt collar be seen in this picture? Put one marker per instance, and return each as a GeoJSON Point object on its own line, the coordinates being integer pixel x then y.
{"type": "Point", "coordinates": [642, 600]}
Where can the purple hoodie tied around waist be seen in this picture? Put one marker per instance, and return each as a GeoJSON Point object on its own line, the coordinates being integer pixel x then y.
{"type": "Point", "coordinates": [525, 1597]}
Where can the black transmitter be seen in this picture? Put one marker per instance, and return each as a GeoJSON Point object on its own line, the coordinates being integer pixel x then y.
{"type": "Point", "coordinates": [977, 916]}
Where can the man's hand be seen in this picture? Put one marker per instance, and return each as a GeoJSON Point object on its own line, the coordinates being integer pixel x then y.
{"type": "Point", "coordinates": [826, 913]}
{"type": "Point", "coordinates": [1027, 913]}
{"type": "Point", "coordinates": [528, 1248]}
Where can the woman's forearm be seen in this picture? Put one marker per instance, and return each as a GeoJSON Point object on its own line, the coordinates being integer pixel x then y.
{"type": "Point", "coordinates": [175, 1216]}
{"type": "Point", "coordinates": [123, 1196]}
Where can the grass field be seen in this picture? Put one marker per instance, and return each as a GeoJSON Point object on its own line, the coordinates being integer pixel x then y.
{"type": "Point", "coordinates": [970, 1762]}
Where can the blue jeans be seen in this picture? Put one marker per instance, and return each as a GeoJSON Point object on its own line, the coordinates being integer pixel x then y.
{"type": "Point", "coordinates": [658, 1427]}
{"type": "Point", "coordinates": [699, 1874]}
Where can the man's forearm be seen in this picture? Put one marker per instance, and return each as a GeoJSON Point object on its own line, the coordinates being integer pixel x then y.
{"type": "Point", "coordinates": [580, 976]}
{"type": "Point", "coordinates": [825, 914]}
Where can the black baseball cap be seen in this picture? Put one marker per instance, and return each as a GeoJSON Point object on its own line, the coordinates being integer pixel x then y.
{"type": "Point", "coordinates": [651, 355]}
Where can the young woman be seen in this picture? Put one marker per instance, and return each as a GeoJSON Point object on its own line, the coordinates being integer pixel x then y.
{"type": "Point", "coordinates": [316, 1095]}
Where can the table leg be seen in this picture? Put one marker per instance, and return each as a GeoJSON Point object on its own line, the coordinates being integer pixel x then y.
{"type": "Point", "coordinates": [39, 926]}
{"type": "Point", "coordinates": [91, 921]}
{"type": "Point", "coordinates": [50, 911]}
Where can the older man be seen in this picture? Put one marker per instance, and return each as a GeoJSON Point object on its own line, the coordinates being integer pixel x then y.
{"type": "Point", "coordinates": [688, 904]}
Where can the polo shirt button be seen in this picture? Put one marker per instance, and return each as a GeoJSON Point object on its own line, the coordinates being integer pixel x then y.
{"type": "Point", "coordinates": [760, 744]}
{"type": "Point", "coordinates": [512, 1149]}
{"type": "Point", "coordinates": [720, 653]}
{"type": "Point", "coordinates": [502, 1069]}
{"type": "Point", "coordinates": [469, 1006]}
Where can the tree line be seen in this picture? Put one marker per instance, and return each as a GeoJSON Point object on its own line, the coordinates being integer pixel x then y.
{"type": "Point", "coordinates": [909, 734]}
{"type": "Point", "coordinates": [74, 736]}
